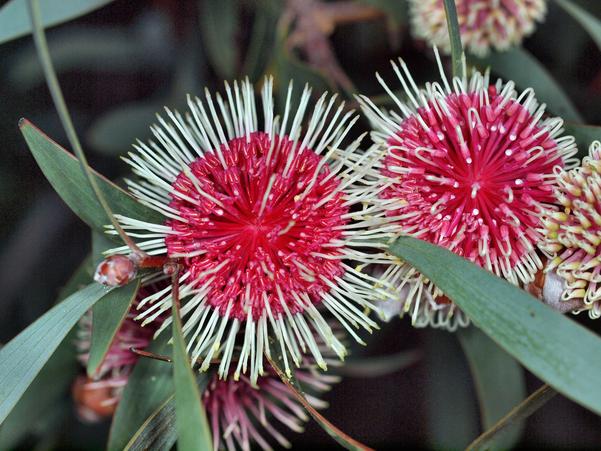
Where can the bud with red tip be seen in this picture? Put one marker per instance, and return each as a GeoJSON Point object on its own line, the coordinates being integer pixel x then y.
{"type": "Point", "coordinates": [116, 271]}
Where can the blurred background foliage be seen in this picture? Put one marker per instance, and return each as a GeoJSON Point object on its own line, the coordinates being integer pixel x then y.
{"type": "Point", "coordinates": [120, 64]}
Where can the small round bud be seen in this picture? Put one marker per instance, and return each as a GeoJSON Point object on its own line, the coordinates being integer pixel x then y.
{"type": "Point", "coordinates": [115, 271]}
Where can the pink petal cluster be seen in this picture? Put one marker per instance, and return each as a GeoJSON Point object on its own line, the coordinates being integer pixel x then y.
{"type": "Point", "coordinates": [264, 220]}
{"type": "Point", "coordinates": [470, 168]}
{"type": "Point", "coordinates": [484, 24]}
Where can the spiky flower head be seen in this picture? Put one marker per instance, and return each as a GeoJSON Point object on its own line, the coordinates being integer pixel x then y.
{"type": "Point", "coordinates": [470, 168]}
{"type": "Point", "coordinates": [98, 397]}
{"type": "Point", "coordinates": [484, 24]}
{"type": "Point", "coordinates": [264, 221]}
{"type": "Point", "coordinates": [242, 413]}
{"type": "Point", "coordinates": [573, 232]}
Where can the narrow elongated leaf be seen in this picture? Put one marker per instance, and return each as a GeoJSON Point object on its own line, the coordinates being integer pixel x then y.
{"type": "Point", "coordinates": [25, 355]}
{"type": "Point", "coordinates": [517, 415]}
{"type": "Point", "coordinates": [158, 431]}
{"type": "Point", "coordinates": [149, 386]}
{"type": "Point", "coordinates": [553, 347]}
{"type": "Point", "coordinates": [499, 381]}
{"type": "Point", "coordinates": [42, 397]}
{"type": "Point", "coordinates": [15, 21]}
{"type": "Point", "coordinates": [64, 173]}
{"type": "Point", "coordinates": [107, 316]}
{"type": "Point", "coordinates": [589, 22]}
{"type": "Point", "coordinates": [452, 417]}
{"type": "Point", "coordinates": [584, 134]}
{"type": "Point", "coordinates": [454, 37]}
{"type": "Point", "coordinates": [192, 426]}
{"type": "Point", "coordinates": [519, 65]}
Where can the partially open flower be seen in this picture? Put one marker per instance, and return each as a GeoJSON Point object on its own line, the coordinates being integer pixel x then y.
{"type": "Point", "coordinates": [484, 24]}
{"type": "Point", "coordinates": [469, 168]}
{"type": "Point", "coordinates": [241, 413]}
{"type": "Point", "coordinates": [98, 397]}
{"type": "Point", "coordinates": [573, 233]}
{"type": "Point", "coordinates": [264, 222]}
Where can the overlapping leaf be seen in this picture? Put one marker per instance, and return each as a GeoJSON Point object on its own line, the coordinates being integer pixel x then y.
{"type": "Point", "coordinates": [64, 173]}
{"type": "Point", "coordinates": [556, 349]}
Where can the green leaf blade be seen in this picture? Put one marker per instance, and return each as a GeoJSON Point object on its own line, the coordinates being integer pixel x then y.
{"type": "Point", "coordinates": [25, 355]}
{"type": "Point", "coordinates": [455, 38]}
{"type": "Point", "coordinates": [107, 316]}
{"type": "Point", "coordinates": [47, 390]}
{"type": "Point", "coordinates": [15, 22]}
{"type": "Point", "coordinates": [499, 380]}
{"type": "Point", "coordinates": [64, 174]}
{"type": "Point", "coordinates": [191, 420]}
{"type": "Point", "coordinates": [556, 349]}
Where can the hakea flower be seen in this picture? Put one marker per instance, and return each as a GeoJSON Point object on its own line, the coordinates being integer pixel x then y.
{"type": "Point", "coordinates": [98, 397]}
{"type": "Point", "coordinates": [241, 413]}
{"type": "Point", "coordinates": [573, 233]}
{"type": "Point", "coordinates": [264, 223]}
{"type": "Point", "coordinates": [469, 168]}
{"type": "Point", "coordinates": [484, 24]}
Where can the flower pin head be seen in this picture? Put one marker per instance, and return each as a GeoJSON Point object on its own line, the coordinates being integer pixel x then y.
{"type": "Point", "coordinates": [573, 233]}
{"type": "Point", "coordinates": [468, 166]}
{"type": "Point", "coordinates": [484, 24]}
{"type": "Point", "coordinates": [264, 221]}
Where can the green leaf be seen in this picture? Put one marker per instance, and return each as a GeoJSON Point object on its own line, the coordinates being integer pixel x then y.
{"type": "Point", "coordinates": [64, 173]}
{"type": "Point", "coordinates": [107, 316]}
{"type": "Point", "coordinates": [455, 38]}
{"type": "Point", "coordinates": [452, 417]}
{"type": "Point", "coordinates": [158, 431]}
{"type": "Point", "coordinates": [218, 26]}
{"type": "Point", "coordinates": [41, 398]}
{"type": "Point", "coordinates": [149, 386]}
{"type": "Point", "coordinates": [584, 134]}
{"type": "Point", "coordinates": [277, 363]}
{"type": "Point", "coordinates": [518, 65]}
{"type": "Point", "coordinates": [517, 415]}
{"type": "Point", "coordinates": [192, 426]}
{"type": "Point", "coordinates": [15, 22]}
{"type": "Point", "coordinates": [499, 382]}
{"type": "Point", "coordinates": [589, 22]}
{"type": "Point", "coordinates": [553, 347]}
{"type": "Point", "coordinates": [25, 355]}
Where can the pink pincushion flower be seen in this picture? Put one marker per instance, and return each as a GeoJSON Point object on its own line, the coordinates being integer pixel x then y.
{"type": "Point", "coordinates": [240, 413]}
{"type": "Point", "coordinates": [573, 233]}
{"type": "Point", "coordinates": [484, 24]}
{"type": "Point", "coordinates": [264, 223]}
{"type": "Point", "coordinates": [471, 169]}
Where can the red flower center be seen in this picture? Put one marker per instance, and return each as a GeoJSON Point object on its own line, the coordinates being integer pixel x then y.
{"type": "Point", "coordinates": [259, 217]}
{"type": "Point", "coordinates": [471, 176]}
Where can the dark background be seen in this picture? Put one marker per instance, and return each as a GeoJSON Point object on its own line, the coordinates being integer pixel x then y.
{"type": "Point", "coordinates": [125, 61]}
